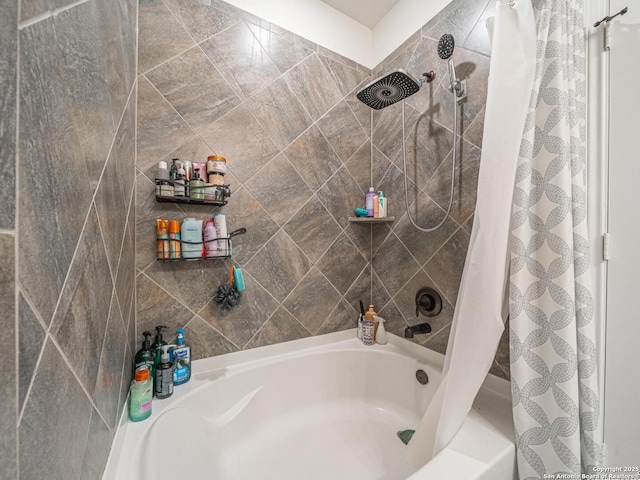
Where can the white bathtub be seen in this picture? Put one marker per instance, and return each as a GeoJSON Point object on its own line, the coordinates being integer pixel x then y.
{"type": "Point", "coordinates": [320, 408]}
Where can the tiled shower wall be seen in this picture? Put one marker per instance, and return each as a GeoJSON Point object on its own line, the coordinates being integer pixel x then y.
{"type": "Point", "coordinates": [214, 79]}
{"type": "Point", "coordinates": [282, 111]}
{"type": "Point", "coordinates": [405, 259]}
{"type": "Point", "coordinates": [67, 150]}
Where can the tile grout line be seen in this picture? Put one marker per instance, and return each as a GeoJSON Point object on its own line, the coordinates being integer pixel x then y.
{"type": "Point", "coordinates": [16, 250]}
{"type": "Point", "coordinates": [48, 14]}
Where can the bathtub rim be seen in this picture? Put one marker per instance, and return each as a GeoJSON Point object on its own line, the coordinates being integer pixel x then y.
{"type": "Point", "coordinates": [497, 388]}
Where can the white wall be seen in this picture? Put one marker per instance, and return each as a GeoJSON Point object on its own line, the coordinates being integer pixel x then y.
{"type": "Point", "coordinates": [330, 28]}
{"type": "Point", "coordinates": [622, 375]}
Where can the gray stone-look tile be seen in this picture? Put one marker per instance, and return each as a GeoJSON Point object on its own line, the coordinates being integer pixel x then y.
{"type": "Point", "coordinates": [437, 341]}
{"type": "Point", "coordinates": [193, 150]}
{"type": "Point", "coordinates": [427, 214]}
{"type": "Point", "coordinates": [394, 264]}
{"type": "Point", "coordinates": [343, 317]}
{"type": "Point", "coordinates": [98, 447]}
{"type": "Point", "coordinates": [192, 283]}
{"type": "Point", "coordinates": [240, 324]}
{"type": "Point", "coordinates": [30, 340]}
{"type": "Point", "coordinates": [49, 143]}
{"type": "Point", "coordinates": [124, 150]}
{"type": "Point", "coordinates": [314, 86]}
{"type": "Point", "coordinates": [427, 145]}
{"type": "Point", "coordinates": [245, 211]}
{"type": "Point", "coordinates": [459, 19]}
{"type": "Point", "coordinates": [243, 142]}
{"type": "Point", "coordinates": [387, 134]}
{"type": "Point", "coordinates": [8, 80]}
{"type": "Point", "coordinates": [160, 35]}
{"type": "Point", "coordinates": [346, 77]}
{"type": "Point", "coordinates": [126, 276]}
{"type": "Point", "coordinates": [466, 182]}
{"type": "Point", "coordinates": [157, 307]}
{"type": "Point", "coordinates": [313, 229]}
{"type": "Point", "coordinates": [393, 186]}
{"type": "Point", "coordinates": [241, 59]}
{"type": "Point", "coordinates": [206, 341]}
{"type": "Point", "coordinates": [107, 391]}
{"type": "Point", "coordinates": [360, 290]}
{"type": "Point", "coordinates": [279, 266]}
{"type": "Point", "coordinates": [112, 210]}
{"type": "Point", "coordinates": [478, 40]}
{"type": "Point", "coordinates": [8, 354]}
{"type": "Point", "coordinates": [363, 113]}
{"type": "Point", "coordinates": [193, 86]}
{"type": "Point", "coordinates": [279, 189]}
{"type": "Point", "coordinates": [342, 263]}
{"type": "Point", "coordinates": [64, 418]}
{"type": "Point", "coordinates": [343, 131]}
{"type": "Point", "coordinates": [312, 300]}
{"type": "Point", "coordinates": [360, 165]}
{"type": "Point", "coordinates": [200, 20]}
{"type": "Point", "coordinates": [341, 195]}
{"type": "Point", "coordinates": [127, 378]}
{"type": "Point", "coordinates": [379, 294]}
{"type": "Point", "coordinates": [80, 320]}
{"type": "Point", "coordinates": [160, 128]}
{"type": "Point", "coordinates": [425, 58]}
{"type": "Point", "coordinates": [395, 323]}
{"type": "Point", "coordinates": [281, 327]}
{"type": "Point", "coordinates": [280, 113]}
{"type": "Point", "coordinates": [128, 10]}
{"type": "Point", "coordinates": [475, 132]}
{"type": "Point", "coordinates": [445, 267]}
{"type": "Point", "coordinates": [361, 235]}
{"type": "Point", "coordinates": [313, 158]}
{"type": "Point", "coordinates": [283, 49]}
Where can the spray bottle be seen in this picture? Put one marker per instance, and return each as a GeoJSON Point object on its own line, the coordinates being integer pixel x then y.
{"type": "Point", "coordinates": [164, 374]}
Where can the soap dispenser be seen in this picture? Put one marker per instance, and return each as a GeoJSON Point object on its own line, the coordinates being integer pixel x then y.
{"type": "Point", "coordinates": [158, 342]}
{"type": "Point", "coordinates": [368, 326]}
{"type": "Point", "coordinates": [163, 387]}
{"type": "Point", "coordinates": [145, 357]}
{"type": "Point", "coordinates": [181, 360]}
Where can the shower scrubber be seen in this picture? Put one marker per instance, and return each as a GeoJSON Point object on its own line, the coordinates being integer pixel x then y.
{"type": "Point", "coordinates": [406, 435]}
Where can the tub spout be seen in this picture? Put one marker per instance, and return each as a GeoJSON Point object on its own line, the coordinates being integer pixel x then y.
{"type": "Point", "coordinates": [419, 328]}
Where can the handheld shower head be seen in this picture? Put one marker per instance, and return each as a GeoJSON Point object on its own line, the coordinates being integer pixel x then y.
{"type": "Point", "coordinates": [388, 90]}
{"type": "Point", "coordinates": [446, 44]}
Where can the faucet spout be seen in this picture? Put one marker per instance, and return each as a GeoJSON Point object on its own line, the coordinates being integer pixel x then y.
{"type": "Point", "coordinates": [417, 329]}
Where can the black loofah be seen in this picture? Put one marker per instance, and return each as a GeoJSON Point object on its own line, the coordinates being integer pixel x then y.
{"type": "Point", "coordinates": [227, 297]}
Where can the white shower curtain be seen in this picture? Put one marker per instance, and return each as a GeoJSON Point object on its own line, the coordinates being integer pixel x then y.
{"type": "Point", "coordinates": [552, 337]}
{"type": "Point", "coordinates": [478, 321]}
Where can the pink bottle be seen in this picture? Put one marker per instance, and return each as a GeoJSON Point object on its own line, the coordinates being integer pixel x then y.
{"type": "Point", "coordinates": [210, 247]}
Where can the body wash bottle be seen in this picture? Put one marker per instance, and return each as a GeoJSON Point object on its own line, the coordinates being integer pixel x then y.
{"type": "Point", "coordinates": [191, 235]}
{"type": "Point", "coordinates": [141, 396]}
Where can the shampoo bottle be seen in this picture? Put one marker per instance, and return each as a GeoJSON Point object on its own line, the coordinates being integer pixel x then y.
{"type": "Point", "coordinates": [163, 387]}
{"type": "Point", "coordinates": [191, 235]}
{"type": "Point", "coordinates": [181, 360]}
{"type": "Point", "coordinates": [141, 396]}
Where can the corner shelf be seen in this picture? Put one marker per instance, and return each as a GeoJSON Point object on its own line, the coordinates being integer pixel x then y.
{"type": "Point", "coordinates": [372, 220]}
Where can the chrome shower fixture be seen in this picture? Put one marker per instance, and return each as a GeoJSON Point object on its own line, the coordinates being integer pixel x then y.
{"type": "Point", "coordinates": [392, 88]}
{"type": "Point", "coordinates": [445, 51]}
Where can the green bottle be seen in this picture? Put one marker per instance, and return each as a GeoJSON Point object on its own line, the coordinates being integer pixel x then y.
{"type": "Point", "coordinates": [156, 346]}
{"type": "Point", "coordinates": [145, 357]}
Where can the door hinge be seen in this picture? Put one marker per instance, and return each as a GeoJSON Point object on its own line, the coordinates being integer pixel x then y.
{"type": "Point", "coordinates": [606, 246]}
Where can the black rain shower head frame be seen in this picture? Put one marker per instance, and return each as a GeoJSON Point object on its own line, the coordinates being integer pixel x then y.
{"type": "Point", "coordinates": [391, 88]}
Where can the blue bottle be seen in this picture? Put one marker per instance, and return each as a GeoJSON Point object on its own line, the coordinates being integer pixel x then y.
{"type": "Point", "coordinates": [181, 360]}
